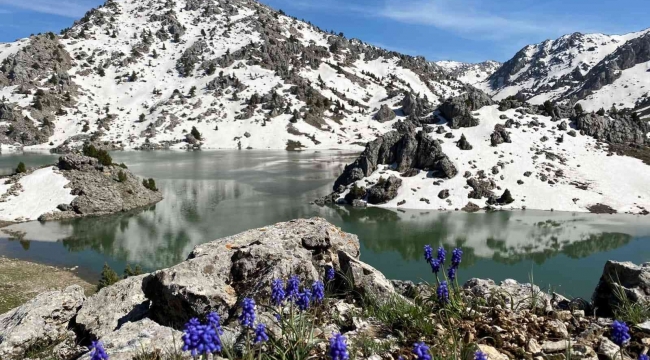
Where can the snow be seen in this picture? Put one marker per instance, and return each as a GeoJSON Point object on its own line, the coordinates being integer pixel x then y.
{"type": "Point", "coordinates": [617, 181]}
{"type": "Point", "coordinates": [631, 86]}
{"type": "Point", "coordinates": [42, 191]}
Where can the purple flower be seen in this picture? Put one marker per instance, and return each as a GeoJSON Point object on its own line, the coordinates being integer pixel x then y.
{"type": "Point", "coordinates": [215, 322]}
{"type": "Point", "coordinates": [435, 266]}
{"type": "Point", "coordinates": [293, 287]}
{"type": "Point", "coordinates": [260, 334]}
{"type": "Point", "coordinates": [98, 352]}
{"type": "Point", "coordinates": [277, 292]}
{"type": "Point", "coordinates": [428, 253]}
{"type": "Point", "coordinates": [442, 255]}
{"type": "Point", "coordinates": [479, 355]}
{"type": "Point", "coordinates": [278, 317]}
{"type": "Point", "coordinates": [201, 339]}
{"type": "Point", "coordinates": [644, 357]}
{"type": "Point", "coordinates": [338, 348]}
{"type": "Point", "coordinates": [421, 351]}
{"type": "Point", "coordinates": [247, 318]}
{"type": "Point", "coordinates": [451, 273]}
{"type": "Point", "coordinates": [620, 333]}
{"type": "Point", "coordinates": [330, 274]}
{"type": "Point", "coordinates": [443, 292]}
{"type": "Point", "coordinates": [317, 291]}
{"type": "Point", "coordinates": [456, 257]}
{"type": "Point", "coordinates": [303, 299]}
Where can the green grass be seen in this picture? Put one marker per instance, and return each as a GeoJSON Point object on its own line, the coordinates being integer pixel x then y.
{"type": "Point", "coordinates": [628, 311]}
{"type": "Point", "coordinates": [400, 316]}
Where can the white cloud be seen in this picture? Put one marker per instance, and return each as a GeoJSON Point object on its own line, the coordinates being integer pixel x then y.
{"type": "Point", "coordinates": [68, 8]}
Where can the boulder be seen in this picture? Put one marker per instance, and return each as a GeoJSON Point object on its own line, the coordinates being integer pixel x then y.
{"type": "Point", "coordinates": [443, 194]}
{"type": "Point", "coordinates": [500, 135]}
{"type": "Point", "coordinates": [384, 191]}
{"type": "Point", "coordinates": [515, 296]}
{"type": "Point", "coordinates": [384, 114]}
{"type": "Point", "coordinates": [623, 278]}
{"type": "Point", "coordinates": [218, 274]}
{"type": "Point", "coordinates": [41, 322]}
{"type": "Point", "coordinates": [471, 207]}
{"type": "Point", "coordinates": [112, 307]}
{"type": "Point", "coordinates": [621, 129]}
{"type": "Point", "coordinates": [463, 144]}
{"type": "Point", "coordinates": [457, 110]}
{"type": "Point", "coordinates": [366, 280]}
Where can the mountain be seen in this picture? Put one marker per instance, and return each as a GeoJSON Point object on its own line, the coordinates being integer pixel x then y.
{"type": "Point", "coordinates": [470, 73]}
{"type": "Point", "coordinates": [595, 70]}
{"type": "Point", "coordinates": [142, 75]}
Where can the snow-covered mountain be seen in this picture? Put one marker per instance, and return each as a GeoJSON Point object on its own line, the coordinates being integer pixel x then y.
{"type": "Point", "coordinates": [142, 74]}
{"type": "Point", "coordinates": [470, 73]}
{"type": "Point", "coordinates": [596, 70]}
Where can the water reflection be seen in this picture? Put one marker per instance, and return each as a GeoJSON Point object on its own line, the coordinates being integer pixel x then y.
{"type": "Point", "coordinates": [215, 194]}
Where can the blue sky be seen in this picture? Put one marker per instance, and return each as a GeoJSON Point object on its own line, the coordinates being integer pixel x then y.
{"type": "Point", "coordinates": [463, 30]}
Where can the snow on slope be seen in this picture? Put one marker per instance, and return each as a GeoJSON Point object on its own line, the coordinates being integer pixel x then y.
{"type": "Point", "coordinates": [567, 176]}
{"type": "Point", "coordinates": [127, 37]}
{"type": "Point", "coordinates": [471, 74]}
{"type": "Point", "coordinates": [41, 192]}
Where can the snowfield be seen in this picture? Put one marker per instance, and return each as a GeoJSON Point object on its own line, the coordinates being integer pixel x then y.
{"type": "Point", "coordinates": [41, 192]}
{"type": "Point", "coordinates": [589, 175]}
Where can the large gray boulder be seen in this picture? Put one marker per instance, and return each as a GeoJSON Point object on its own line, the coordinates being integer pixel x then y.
{"type": "Point", "coordinates": [619, 129]}
{"type": "Point", "coordinates": [144, 337]}
{"type": "Point", "coordinates": [457, 110]}
{"type": "Point", "coordinates": [384, 114]}
{"type": "Point", "coordinates": [623, 278]}
{"type": "Point", "coordinates": [217, 275]}
{"type": "Point", "coordinates": [41, 322]}
{"type": "Point", "coordinates": [113, 306]}
{"type": "Point", "coordinates": [384, 191]}
{"type": "Point", "coordinates": [514, 295]}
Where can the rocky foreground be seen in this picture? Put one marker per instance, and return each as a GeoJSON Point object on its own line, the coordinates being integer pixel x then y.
{"type": "Point", "coordinates": [142, 317]}
{"type": "Point", "coordinates": [76, 186]}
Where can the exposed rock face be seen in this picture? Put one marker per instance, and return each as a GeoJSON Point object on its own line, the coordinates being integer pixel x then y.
{"type": "Point", "coordinates": [99, 189]}
{"type": "Point", "coordinates": [39, 323]}
{"type": "Point", "coordinates": [463, 144]}
{"type": "Point", "coordinates": [37, 60]}
{"type": "Point", "coordinates": [384, 191]}
{"type": "Point", "coordinates": [622, 129]}
{"type": "Point", "coordinates": [191, 56]}
{"type": "Point", "coordinates": [220, 273]}
{"type": "Point", "coordinates": [403, 147]}
{"type": "Point", "coordinates": [384, 114]}
{"type": "Point", "coordinates": [500, 135]}
{"type": "Point", "coordinates": [626, 277]}
{"type": "Point", "coordinates": [113, 306]}
{"type": "Point", "coordinates": [416, 106]}
{"type": "Point", "coordinates": [515, 295]}
{"type": "Point", "coordinates": [481, 189]}
{"type": "Point", "coordinates": [458, 110]}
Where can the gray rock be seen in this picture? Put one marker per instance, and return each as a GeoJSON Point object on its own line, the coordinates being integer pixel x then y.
{"type": "Point", "coordinates": [113, 306]}
{"type": "Point", "coordinates": [555, 346]}
{"type": "Point", "coordinates": [622, 129]}
{"type": "Point", "coordinates": [220, 273]}
{"type": "Point", "coordinates": [471, 207]}
{"type": "Point", "coordinates": [146, 336]}
{"type": "Point", "coordinates": [384, 191]}
{"type": "Point", "coordinates": [624, 277]}
{"type": "Point", "coordinates": [41, 322]}
{"type": "Point", "coordinates": [500, 135]}
{"type": "Point", "coordinates": [458, 110]}
{"type": "Point", "coordinates": [516, 296]}
{"type": "Point", "coordinates": [367, 280]}
{"type": "Point", "coordinates": [463, 144]}
{"type": "Point", "coordinates": [384, 114]}
{"type": "Point", "coordinates": [358, 203]}
{"type": "Point", "coordinates": [443, 194]}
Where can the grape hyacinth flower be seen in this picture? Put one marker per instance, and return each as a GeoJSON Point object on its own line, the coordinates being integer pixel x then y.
{"type": "Point", "coordinates": [317, 291]}
{"type": "Point", "coordinates": [456, 257]}
{"type": "Point", "coordinates": [620, 333]}
{"type": "Point", "coordinates": [214, 321]}
{"type": "Point", "coordinates": [260, 334]}
{"type": "Point", "coordinates": [293, 287]}
{"type": "Point", "coordinates": [479, 355]}
{"type": "Point", "coordinates": [338, 348]}
{"type": "Point", "coordinates": [330, 274]}
{"type": "Point", "coordinates": [435, 266]}
{"type": "Point", "coordinates": [442, 255]}
{"type": "Point", "coordinates": [303, 299]}
{"type": "Point", "coordinates": [278, 317]}
{"type": "Point", "coordinates": [644, 357]}
{"type": "Point", "coordinates": [98, 352]}
{"type": "Point", "coordinates": [428, 253]}
{"type": "Point", "coordinates": [421, 351]}
{"type": "Point", "coordinates": [443, 292]}
{"type": "Point", "coordinates": [277, 292]}
{"type": "Point", "coordinates": [247, 318]}
{"type": "Point", "coordinates": [451, 273]}
{"type": "Point", "coordinates": [201, 339]}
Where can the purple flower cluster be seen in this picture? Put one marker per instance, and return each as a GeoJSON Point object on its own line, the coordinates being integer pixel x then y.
{"type": "Point", "coordinates": [304, 298]}
{"type": "Point", "coordinates": [644, 357]}
{"type": "Point", "coordinates": [443, 292]}
{"type": "Point", "coordinates": [338, 348]}
{"type": "Point", "coordinates": [451, 273]}
{"type": "Point", "coordinates": [330, 274]}
{"type": "Point", "coordinates": [247, 317]}
{"type": "Point", "coordinates": [428, 253]}
{"type": "Point", "coordinates": [442, 254]}
{"type": "Point", "coordinates": [318, 291]}
{"type": "Point", "coordinates": [438, 263]}
{"type": "Point", "coordinates": [456, 257]}
{"type": "Point", "coordinates": [277, 292]}
{"type": "Point", "coordinates": [620, 333]}
{"type": "Point", "coordinates": [479, 355]}
{"type": "Point", "coordinates": [201, 339]}
{"type": "Point", "coordinates": [98, 352]}
{"type": "Point", "coordinates": [292, 292]}
{"type": "Point", "coordinates": [293, 287]}
{"type": "Point", "coordinates": [435, 266]}
{"type": "Point", "coordinates": [421, 351]}
{"type": "Point", "coordinates": [260, 334]}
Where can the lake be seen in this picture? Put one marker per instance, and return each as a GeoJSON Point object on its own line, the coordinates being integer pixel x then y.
{"type": "Point", "coordinates": [212, 194]}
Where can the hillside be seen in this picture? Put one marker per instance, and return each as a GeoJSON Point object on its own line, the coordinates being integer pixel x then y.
{"type": "Point", "coordinates": [136, 74]}
{"type": "Point", "coordinates": [468, 73]}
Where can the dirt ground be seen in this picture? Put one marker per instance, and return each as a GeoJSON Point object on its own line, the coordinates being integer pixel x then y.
{"type": "Point", "coordinates": [22, 280]}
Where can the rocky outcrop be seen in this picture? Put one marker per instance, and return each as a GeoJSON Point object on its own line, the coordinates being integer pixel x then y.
{"type": "Point", "coordinates": [384, 114]}
{"type": "Point", "coordinates": [621, 279]}
{"type": "Point", "coordinates": [500, 135]}
{"type": "Point", "coordinates": [415, 106]}
{"type": "Point", "coordinates": [384, 191]}
{"type": "Point", "coordinates": [458, 110]}
{"type": "Point", "coordinates": [513, 294]}
{"type": "Point", "coordinates": [191, 56]}
{"type": "Point", "coordinates": [36, 61]}
{"type": "Point", "coordinates": [101, 189]}
{"type": "Point", "coordinates": [405, 148]}
{"type": "Point", "coordinates": [622, 128]}
{"type": "Point", "coordinates": [40, 323]}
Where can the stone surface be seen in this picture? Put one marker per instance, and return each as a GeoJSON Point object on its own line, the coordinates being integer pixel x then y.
{"type": "Point", "coordinates": [458, 110]}
{"type": "Point", "coordinates": [384, 114]}
{"type": "Point", "coordinates": [41, 322]}
{"type": "Point", "coordinates": [384, 191]}
{"type": "Point", "coordinates": [516, 296]}
{"type": "Point", "coordinates": [628, 278]}
{"type": "Point", "coordinates": [113, 306]}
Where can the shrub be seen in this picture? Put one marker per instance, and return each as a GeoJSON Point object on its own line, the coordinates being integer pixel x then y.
{"type": "Point", "coordinates": [197, 135]}
{"type": "Point", "coordinates": [121, 176]}
{"type": "Point", "coordinates": [20, 169]}
{"type": "Point", "coordinates": [102, 155]}
{"type": "Point", "coordinates": [128, 271]}
{"type": "Point", "coordinates": [108, 277]}
{"type": "Point", "coordinates": [149, 184]}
